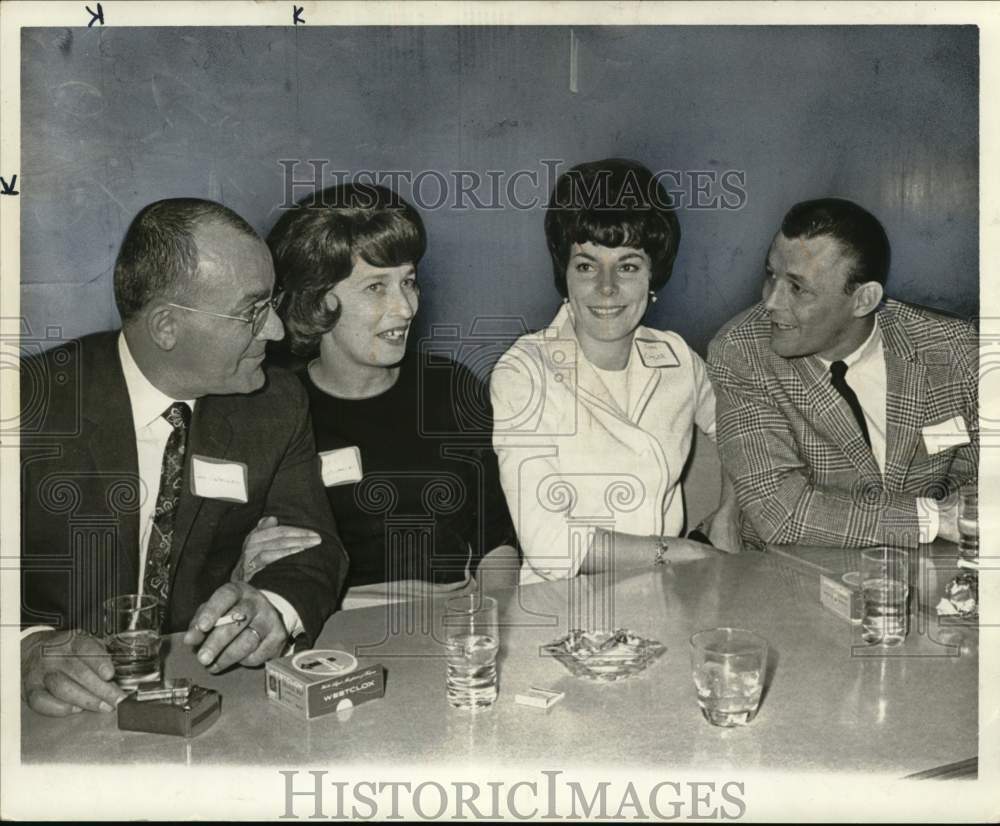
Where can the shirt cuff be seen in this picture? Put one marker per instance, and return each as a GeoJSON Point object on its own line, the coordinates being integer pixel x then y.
{"type": "Point", "coordinates": [293, 625]}
{"type": "Point", "coordinates": [34, 629]}
{"type": "Point", "coordinates": [928, 518]}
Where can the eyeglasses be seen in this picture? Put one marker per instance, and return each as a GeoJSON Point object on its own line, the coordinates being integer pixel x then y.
{"type": "Point", "coordinates": [256, 319]}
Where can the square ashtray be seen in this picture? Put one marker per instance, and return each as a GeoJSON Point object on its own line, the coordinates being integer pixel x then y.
{"type": "Point", "coordinates": [604, 655]}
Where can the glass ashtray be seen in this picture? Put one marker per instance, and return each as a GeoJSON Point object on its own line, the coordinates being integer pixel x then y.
{"type": "Point", "coordinates": [604, 655]}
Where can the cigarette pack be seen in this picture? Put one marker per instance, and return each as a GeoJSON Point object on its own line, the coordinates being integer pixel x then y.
{"type": "Point", "coordinates": [183, 716]}
{"type": "Point", "coordinates": [842, 597]}
{"type": "Point", "coordinates": [314, 683]}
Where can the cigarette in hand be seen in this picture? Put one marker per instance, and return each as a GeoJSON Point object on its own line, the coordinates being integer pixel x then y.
{"type": "Point", "coordinates": [229, 619]}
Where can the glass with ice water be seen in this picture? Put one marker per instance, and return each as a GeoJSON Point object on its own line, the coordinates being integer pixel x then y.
{"type": "Point", "coordinates": [472, 636]}
{"type": "Point", "coordinates": [132, 636]}
{"type": "Point", "coordinates": [968, 522]}
{"type": "Point", "coordinates": [728, 666]}
{"type": "Point", "coordinates": [885, 588]}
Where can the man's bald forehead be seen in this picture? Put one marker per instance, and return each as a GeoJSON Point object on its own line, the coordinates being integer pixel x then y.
{"type": "Point", "coordinates": [217, 242]}
{"type": "Point", "coordinates": [234, 267]}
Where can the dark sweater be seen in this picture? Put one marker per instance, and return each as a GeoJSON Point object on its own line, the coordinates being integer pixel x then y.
{"type": "Point", "coordinates": [430, 488]}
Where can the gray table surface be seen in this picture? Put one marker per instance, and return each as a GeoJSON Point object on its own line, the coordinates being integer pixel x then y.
{"type": "Point", "coordinates": [829, 704]}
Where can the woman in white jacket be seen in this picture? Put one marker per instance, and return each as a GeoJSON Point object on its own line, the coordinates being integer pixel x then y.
{"type": "Point", "coordinates": [594, 415]}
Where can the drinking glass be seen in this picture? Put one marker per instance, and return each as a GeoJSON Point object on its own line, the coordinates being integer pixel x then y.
{"type": "Point", "coordinates": [968, 522]}
{"type": "Point", "coordinates": [885, 588]}
{"type": "Point", "coordinates": [472, 637]}
{"type": "Point", "coordinates": [728, 666]}
{"type": "Point", "coordinates": [132, 635]}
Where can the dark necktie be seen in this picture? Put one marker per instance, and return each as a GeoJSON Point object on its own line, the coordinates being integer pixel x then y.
{"type": "Point", "coordinates": [156, 578]}
{"type": "Point", "coordinates": [838, 372]}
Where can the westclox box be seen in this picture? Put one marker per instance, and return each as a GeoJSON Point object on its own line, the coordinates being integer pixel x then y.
{"type": "Point", "coordinates": [317, 682]}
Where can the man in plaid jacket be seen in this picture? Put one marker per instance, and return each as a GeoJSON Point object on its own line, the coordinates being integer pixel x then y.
{"type": "Point", "coordinates": [844, 418]}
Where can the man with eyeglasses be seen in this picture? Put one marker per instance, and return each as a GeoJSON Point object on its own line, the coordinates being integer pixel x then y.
{"type": "Point", "coordinates": [150, 455]}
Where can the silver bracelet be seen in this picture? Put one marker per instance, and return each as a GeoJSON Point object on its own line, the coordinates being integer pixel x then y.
{"type": "Point", "coordinates": [661, 551]}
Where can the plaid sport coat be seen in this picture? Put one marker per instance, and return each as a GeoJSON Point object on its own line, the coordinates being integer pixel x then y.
{"type": "Point", "coordinates": [802, 471]}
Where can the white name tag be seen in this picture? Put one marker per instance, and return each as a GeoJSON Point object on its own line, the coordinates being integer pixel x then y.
{"type": "Point", "coordinates": [341, 466]}
{"type": "Point", "coordinates": [944, 435]}
{"type": "Point", "coordinates": [218, 479]}
{"type": "Point", "coordinates": [656, 353]}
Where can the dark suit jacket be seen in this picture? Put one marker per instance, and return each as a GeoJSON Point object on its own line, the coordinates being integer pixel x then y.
{"type": "Point", "coordinates": [80, 493]}
{"type": "Point", "coordinates": [801, 469]}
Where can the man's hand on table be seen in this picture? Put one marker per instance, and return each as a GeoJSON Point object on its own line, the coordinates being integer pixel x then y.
{"type": "Point", "coordinates": [251, 642]}
{"type": "Point", "coordinates": [268, 543]}
{"type": "Point", "coordinates": [65, 672]}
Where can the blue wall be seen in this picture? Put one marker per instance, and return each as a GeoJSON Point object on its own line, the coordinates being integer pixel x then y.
{"type": "Point", "coordinates": [888, 116]}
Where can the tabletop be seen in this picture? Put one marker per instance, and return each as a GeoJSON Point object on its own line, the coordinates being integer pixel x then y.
{"type": "Point", "coordinates": [830, 703]}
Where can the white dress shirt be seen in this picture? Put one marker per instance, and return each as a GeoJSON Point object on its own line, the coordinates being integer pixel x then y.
{"type": "Point", "coordinates": [866, 376]}
{"type": "Point", "coordinates": [151, 434]}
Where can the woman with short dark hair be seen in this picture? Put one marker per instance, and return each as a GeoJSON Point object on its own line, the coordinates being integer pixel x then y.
{"type": "Point", "coordinates": [404, 442]}
{"type": "Point", "coordinates": [595, 414]}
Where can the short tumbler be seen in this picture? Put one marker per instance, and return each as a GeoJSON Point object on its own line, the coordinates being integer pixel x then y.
{"type": "Point", "coordinates": [132, 635]}
{"type": "Point", "coordinates": [728, 666]}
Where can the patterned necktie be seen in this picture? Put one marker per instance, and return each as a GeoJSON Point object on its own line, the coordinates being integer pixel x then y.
{"type": "Point", "coordinates": [156, 578]}
{"type": "Point", "coordinates": [838, 373]}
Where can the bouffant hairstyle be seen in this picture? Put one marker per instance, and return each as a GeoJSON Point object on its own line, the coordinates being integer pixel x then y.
{"type": "Point", "coordinates": [317, 243]}
{"type": "Point", "coordinates": [613, 203]}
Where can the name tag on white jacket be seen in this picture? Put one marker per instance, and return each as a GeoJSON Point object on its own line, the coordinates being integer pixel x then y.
{"type": "Point", "coordinates": [656, 353]}
{"type": "Point", "coordinates": [341, 466]}
{"type": "Point", "coordinates": [943, 435]}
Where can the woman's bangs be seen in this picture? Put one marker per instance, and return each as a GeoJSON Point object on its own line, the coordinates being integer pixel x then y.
{"type": "Point", "coordinates": [391, 240]}
{"type": "Point", "coordinates": [612, 228]}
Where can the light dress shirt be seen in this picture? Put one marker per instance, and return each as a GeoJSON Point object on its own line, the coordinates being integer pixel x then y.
{"type": "Point", "coordinates": [151, 433]}
{"type": "Point", "coordinates": [866, 377]}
